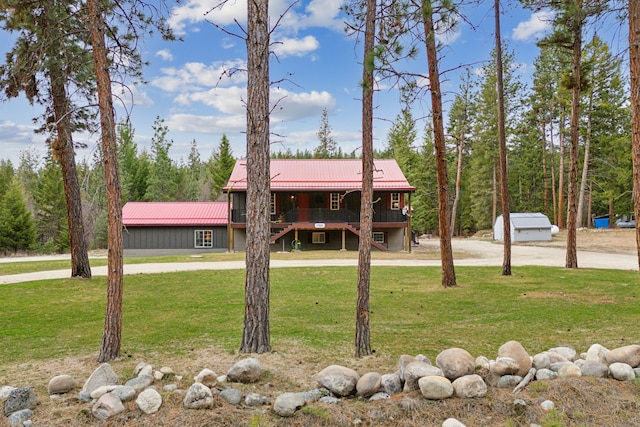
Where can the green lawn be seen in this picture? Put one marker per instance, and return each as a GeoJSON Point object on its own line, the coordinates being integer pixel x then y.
{"type": "Point", "coordinates": [410, 312]}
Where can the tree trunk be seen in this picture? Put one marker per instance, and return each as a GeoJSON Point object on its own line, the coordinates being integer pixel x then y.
{"type": "Point", "coordinates": [502, 140]}
{"type": "Point", "coordinates": [561, 173]}
{"type": "Point", "coordinates": [634, 70]}
{"type": "Point", "coordinates": [256, 335]}
{"type": "Point", "coordinates": [552, 153]}
{"type": "Point", "coordinates": [545, 182]}
{"type": "Point", "coordinates": [585, 166]}
{"type": "Point", "coordinates": [363, 341]}
{"type": "Point", "coordinates": [572, 202]}
{"type": "Point", "coordinates": [454, 206]}
{"type": "Point", "coordinates": [63, 152]}
{"type": "Point", "coordinates": [446, 252]}
{"type": "Point", "coordinates": [112, 335]}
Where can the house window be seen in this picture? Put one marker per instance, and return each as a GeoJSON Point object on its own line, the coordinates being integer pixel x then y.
{"type": "Point", "coordinates": [395, 201]}
{"type": "Point", "coordinates": [318, 238]}
{"type": "Point", "coordinates": [335, 202]}
{"type": "Point", "coordinates": [204, 238]}
{"type": "Point", "coordinates": [273, 203]}
{"type": "Point", "coordinates": [378, 236]}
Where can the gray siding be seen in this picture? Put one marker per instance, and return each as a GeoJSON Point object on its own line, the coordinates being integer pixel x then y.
{"type": "Point", "coordinates": [170, 237]}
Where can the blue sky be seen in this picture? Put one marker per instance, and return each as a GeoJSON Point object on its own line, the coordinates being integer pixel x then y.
{"type": "Point", "coordinates": [317, 64]}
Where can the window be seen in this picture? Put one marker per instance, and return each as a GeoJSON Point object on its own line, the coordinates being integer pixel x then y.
{"type": "Point", "coordinates": [273, 203]}
{"type": "Point", "coordinates": [395, 201]}
{"type": "Point", "coordinates": [378, 236]}
{"type": "Point", "coordinates": [204, 238]}
{"type": "Point", "coordinates": [335, 202]}
{"type": "Point", "coordinates": [317, 238]}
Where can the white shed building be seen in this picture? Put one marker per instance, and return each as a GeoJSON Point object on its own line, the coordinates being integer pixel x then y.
{"type": "Point", "coordinates": [525, 227]}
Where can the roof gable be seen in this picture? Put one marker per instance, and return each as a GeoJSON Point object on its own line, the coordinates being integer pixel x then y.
{"type": "Point", "coordinates": [323, 175]}
{"type": "Point", "coordinates": [174, 213]}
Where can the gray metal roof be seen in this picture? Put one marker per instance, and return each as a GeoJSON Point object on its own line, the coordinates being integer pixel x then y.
{"type": "Point", "coordinates": [529, 220]}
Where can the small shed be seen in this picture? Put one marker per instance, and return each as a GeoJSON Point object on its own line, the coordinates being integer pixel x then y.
{"type": "Point", "coordinates": [175, 227]}
{"type": "Point", "coordinates": [525, 227]}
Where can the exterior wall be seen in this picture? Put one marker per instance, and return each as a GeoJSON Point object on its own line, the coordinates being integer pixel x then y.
{"type": "Point", "coordinates": [171, 237]}
{"type": "Point", "coordinates": [531, 234]}
{"type": "Point", "coordinates": [395, 239]}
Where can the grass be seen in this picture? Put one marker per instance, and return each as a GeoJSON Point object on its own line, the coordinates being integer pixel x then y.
{"type": "Point", "coordinates": [410, 312]}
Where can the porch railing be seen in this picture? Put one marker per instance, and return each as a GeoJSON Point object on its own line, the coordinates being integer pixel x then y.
{"type": "Point", "coordinates": [323, 215]}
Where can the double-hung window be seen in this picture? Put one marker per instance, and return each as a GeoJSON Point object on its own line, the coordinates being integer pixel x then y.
{"type": "Point", "coordinates": [395, 201]}
{"type": "Point", "coordinates": [334, 204]}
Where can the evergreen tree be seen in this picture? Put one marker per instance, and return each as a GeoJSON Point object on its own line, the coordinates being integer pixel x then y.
{"type": "Point", "coordinates": [400, 141]}
{"type": "Point", "coordinates": [17, 230]}
{"type": "Point", "coordinates": [221, 165]}
{"type": "Point", "coordinates": [162, 182]}
{"type": "Point", "coordinates": [327, 147]}
{"type": "Point", "coordinates": [50, 208]}
{"type": "Point", "coordinates": [6, 176]}
{"type": "Point", "coordinates": [134, 168]}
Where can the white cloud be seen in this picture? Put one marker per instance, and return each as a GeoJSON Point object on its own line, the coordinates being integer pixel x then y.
{"type": "Point", "coordinates": [293, 106]}
{"type": "Point", "coordinates": [317, 13]}
{"type": "Point", "coordinates": [196, 75]}
{"type": "Point", "coordinates": [127, 95]}
{"type": "Point", "coordinates": [295, 47]}
{"type": "Point", "coordinates": [227, 100]}
{"type": "Point", "coordinates": [165, 54]}
{"type": "Point", "coordinates": [538, 23]}
{"type": "Point", "coordinates": [206, 124]}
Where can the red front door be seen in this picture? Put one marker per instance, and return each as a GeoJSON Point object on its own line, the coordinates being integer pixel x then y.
{"type": "Point", "coordinates": [302, 205]}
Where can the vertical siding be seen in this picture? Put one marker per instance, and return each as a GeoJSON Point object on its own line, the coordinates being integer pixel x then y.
{"type": "Point", "coordinates": [170, 237]}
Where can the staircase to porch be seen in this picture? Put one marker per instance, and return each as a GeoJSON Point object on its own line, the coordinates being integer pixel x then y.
{"type": "Point", "coordinates": [312, 226]}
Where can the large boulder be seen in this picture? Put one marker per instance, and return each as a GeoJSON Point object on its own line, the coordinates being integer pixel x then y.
{"type": "Point", "coordinates": [103, 375]}
{"type": "Point", "coordinates": [455, 363]}
{"type": "Point", "coordinates": [106, 407]}
{"type": "Point", "coordinates": [470, 386]}
{"type": "Point", "coordinates": [416, 370]}
{"type": "Point", "coordinates": [19, 399]}
{"type": "Point", "coordinates": [435, 387]}
{"type": "Point", "coordinates": [288, 403]}
{"type": "Point", "coordinates": [504, 366]}
{"type": "Point", "coordinates": [629, 354]}
{"type": "Point", "coordinates": [516, 351]}
{"type": "Point", "coordinates": [245, 371]}
{"type": "Point", "coordinates": [198, 396]}
{"type": "Point", "coordinates": [339, 380]}
{"type": "Point", "coordinates": [368, 384]}
{"type": "Point", "coordinates": [149, 401]}
{"type": "Point", "coordinates": [61, 384]}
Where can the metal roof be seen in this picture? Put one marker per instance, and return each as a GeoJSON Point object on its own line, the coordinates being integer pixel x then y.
{"type": "Point", "coordinates": [528, 220]}
{"type": "Point", "coordinates": [174, 213]}
{"type": "Point", "coordinates": [323, 175]}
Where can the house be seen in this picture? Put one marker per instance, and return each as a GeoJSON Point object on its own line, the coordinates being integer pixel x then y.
{"type": "Point", "coordinates": [179, 227]}
{"type": "Point", "coordinates": [525, 227]}
{"type": "Point", "coordinates": [315, 204]}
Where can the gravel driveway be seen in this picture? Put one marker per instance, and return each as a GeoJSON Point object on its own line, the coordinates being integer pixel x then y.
{"type": "Point", "coordinates": [471, 252]}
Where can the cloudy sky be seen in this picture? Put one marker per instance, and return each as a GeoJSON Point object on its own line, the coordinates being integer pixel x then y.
{"type": "Point", "coordinates": [197, 87]}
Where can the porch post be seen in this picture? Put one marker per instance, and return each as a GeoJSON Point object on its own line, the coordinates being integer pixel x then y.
{"type": "Point", "coordinates": [408, 229]}
{"type": "Point", "coordinates": [229, 229]}
{"type": "Point", "coordinates": [344, 239]}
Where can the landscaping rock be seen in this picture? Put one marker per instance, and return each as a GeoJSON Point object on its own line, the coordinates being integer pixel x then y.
{"type": "Point", "coordinates": [566, 352]}
{"type": "Point", "coordinates": [103, 375]}
{"type": "Point", "coordinates": [505, 366]}
{"type": "Point", "coordinates": [231, 395]}
{"type": "Point", "coordinates": [515, 351]}
{"type": "Point", "coordinates": [368, 384]}
{"type": "Point", "coordinates": [5, 391]}
{"type": "Point", "coordinates": [124, 392]}
{"type": "Point", "coordinates": [288, 403]}
{"type": "Point", "coordinates": [255, 399]}
{"type": "Point", "coordinates": [61, 384]}
{"type": "Point", "coordinates": [339, 380]}
{"type": "Point", "coordinates": [245, 371]}
{"type": "Point", "coordinates": [541, 361]}
{"type": "Point", "coordinates": [594, 368]}
{"type": "Point", "coordinates": [391, 383]}
{"type": "Point", "coordinates": [546, 374]}
{"type": "Point", "coordinates": [19, 399]}
{"type": "Point", "coordinates": [416, 370]}
{"type": "Point", "coordinates": [621, 371]}
{"type": "Point", "coordinates": [207, 377]}
{"type": "Point", "coordinates": [629, 354]}
{"type": "Point", "coordinates": [435, 387]}
{"type": "Point", "coordinates": [569, 370]}
{"type": "Point", "coordinates": [547, 405]}
{"type": "Point", "coordinates": [140, 382]}
{"type": "Point", "coordinates": [19, 417]}
{"type": "Point", "coordinates": [106, 407]}
{"type": "Point", "coordinates": [470, 386]}
{"type": "Point", "coordinates": [102, 390]}
{"type": "Point", "coordinates": [509, 381]}
{"type": "Point", "coordinates": [149, 401]}
{"type": "Point", "coordinates": [597, 353]}
{"type": "Point", "coordinates": [381, 395]}
{"type": "Point", "coordinates": [452, 422]}
{"type": "Point", "coordinates": [198, 396]}
{"type": "Point", "coordinates": [455, 363]}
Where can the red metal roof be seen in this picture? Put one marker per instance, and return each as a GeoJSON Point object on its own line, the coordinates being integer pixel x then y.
{"type": "Point", "coordinates": [174, 213]}
{"type": "Point", "coordinates": [323, 175]}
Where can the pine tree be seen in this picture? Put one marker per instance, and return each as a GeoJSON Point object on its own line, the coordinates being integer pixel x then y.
{"type": "Point", "coordinates": [220, 166]}
{"type": "Point", "coordinates": [327, 147]}
{"type": "Point", "coordinates": [162, 182]}
{"type": "Point", "coordinates": [17, 230]}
